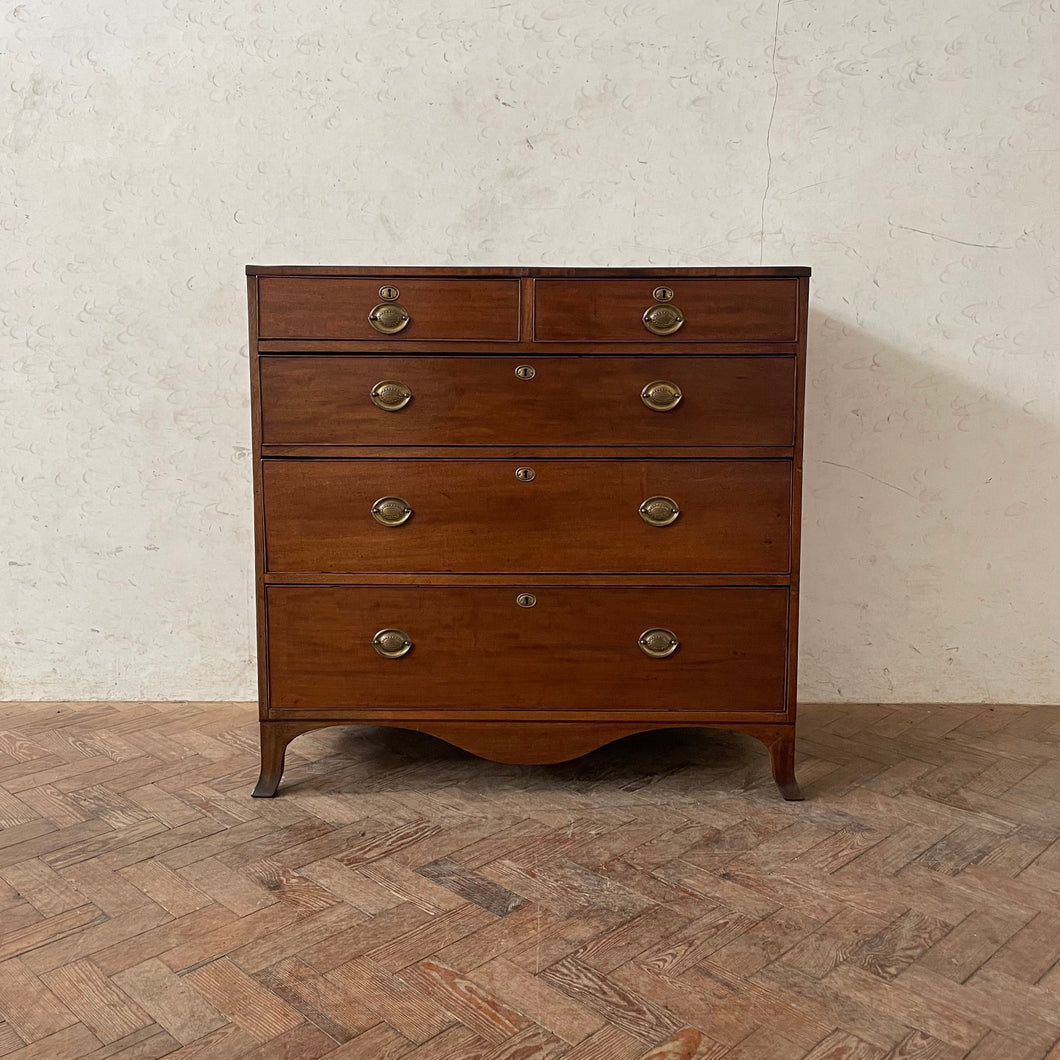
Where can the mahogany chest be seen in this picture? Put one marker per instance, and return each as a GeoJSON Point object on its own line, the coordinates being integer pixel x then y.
{"type": "Point", "coordinates": [528, 511]}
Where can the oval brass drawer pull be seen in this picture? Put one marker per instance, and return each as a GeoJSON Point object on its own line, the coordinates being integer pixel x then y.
{"type": "Point", "coordinates": [659, 511]}
{"type": "Point", "coordinates": [392, 643]}
{"type": "Point", "coordinates": [391, 511]}
{"type": "Point", "coordinates": [390, 395]}
{"type": "Point", "coordinates": [389, 318]}
{"type": "Point", "coordinates": [663, 318]}
{"type": "Point", "coordinates": [661, 395]}
{"type": "Point", "coordinates": [659, 643]}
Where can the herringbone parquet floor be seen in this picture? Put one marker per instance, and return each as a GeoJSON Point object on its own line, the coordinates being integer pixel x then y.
{"type": "Point", "coordinates": [403, 899]}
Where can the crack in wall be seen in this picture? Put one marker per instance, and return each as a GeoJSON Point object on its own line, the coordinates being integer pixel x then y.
{"type": "Point", "coordinates": [769, 130]}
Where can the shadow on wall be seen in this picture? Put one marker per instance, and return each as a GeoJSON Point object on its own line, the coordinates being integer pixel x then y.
{"type": "Point", "coordinates": [928, 546]}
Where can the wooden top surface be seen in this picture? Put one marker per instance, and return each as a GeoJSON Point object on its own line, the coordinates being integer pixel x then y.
{"type": "Point", "coordinates": [516, 271]}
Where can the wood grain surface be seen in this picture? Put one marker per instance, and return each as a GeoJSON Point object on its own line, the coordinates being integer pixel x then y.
{"type": "Point", "coordinates": [493, 271]}
{"type": "Point", "coordinates": [570, 401]}
{"type": "Point", "coordinates": [575, 649]}
{"type": "Point", "coordinates": [576, 515]}
{"type": "Point", "coordinates": [337, 308]}
{"type": "Point", "coordinates": [715, 310]}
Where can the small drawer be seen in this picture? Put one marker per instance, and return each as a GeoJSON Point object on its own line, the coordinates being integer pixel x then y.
{"type": "Point", "coordinates": [422, 309]}
{"type": "Point", "coordinates": [709, 310]}
{"type": "Point", "coordinates": [576, 648]}
{"type": "Point", "coordinates": [528, 516]}
{"type": "Point", "coordinates": [557, 401]}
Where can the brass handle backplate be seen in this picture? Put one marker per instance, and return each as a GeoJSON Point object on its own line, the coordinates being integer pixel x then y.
{"type": "Point", "coordinates": [663, 318]}
{"type": "Point", "coordinates": [392, 643]}
{"type": "Point", "coordinates": [659, 643]}
{"type": "Point", "coordinates": [659, 511]}
{"type": "Point", "coordinates": [390, 395]}
{"type": "Point", "coordinates": [389, 317]}
{"type": "Point", "coordinates": [391, 511]}
{"type": "Point", "coordinates": [661, 395]}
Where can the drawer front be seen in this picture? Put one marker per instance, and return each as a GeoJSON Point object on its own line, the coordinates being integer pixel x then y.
{"type": "Point", "coordinates": [576, 648]}
{"type": "Point", "coordinates": [713, 310]}
{"type": "Point", "coordinates": [311, 400]}
{"type": "Point", "coordinates": [575, 515]}
{"type": "Point", "coordinates": [323, 307]}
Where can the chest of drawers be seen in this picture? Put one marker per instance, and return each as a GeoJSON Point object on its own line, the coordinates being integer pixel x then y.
{"type": "Point", "coordinates": [528, 511]}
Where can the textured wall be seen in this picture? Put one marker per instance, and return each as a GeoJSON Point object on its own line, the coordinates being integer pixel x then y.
{"type": "Point", "coordinates": [906, 151]}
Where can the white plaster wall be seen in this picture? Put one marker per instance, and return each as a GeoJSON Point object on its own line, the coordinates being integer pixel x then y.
{"type": "Point", "coordinates": [907, 151]}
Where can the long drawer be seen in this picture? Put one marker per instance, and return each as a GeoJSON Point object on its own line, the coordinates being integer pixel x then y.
{"type": "Point", "coordinates": [642, 400]}
{"type": "Point", "coordinates": [480, 648]}
{"type": "Point", "coordinates": [531, 516]}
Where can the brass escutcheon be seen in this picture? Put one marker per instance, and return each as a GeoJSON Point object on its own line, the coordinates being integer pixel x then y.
{"type": "Point", "coordinates": [659, 511]}
{"type": "Point", "coordinates": [661, 395]}
{"type": "Point", "coordinates": [663, 319]}
{"type": "Point", "coordinates": [388, 318]}
{"type": "Point", "coordinates": [389, 294]}
{"type": "Point", "coordinates": [525, 371]}
{"type": "Point", "coordinates": [659, 643]}
{"type": "Point", "coordinates": [390, 395]}
{"type": "Point", "coordinates": [526, 599]}
{"type": "Point", "coordinates": [391, 511]}
{"type": "Point", "coordinates": [525, 474]}
{"type": "Point", "coordinates": [392, 643]}
{"type": "Point", "coordinates": [663, 294]}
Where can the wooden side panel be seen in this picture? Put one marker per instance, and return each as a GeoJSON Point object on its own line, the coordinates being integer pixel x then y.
{"type": "Point", "coordinates": [796, 501]}
{"type": "Point", "coordinates": [476, 648]}
{"type": "Point", "coordinates": [261, 630]}
{"type": "Point", "coordinates": [576, 515]}
{"type": "Point", "coordinates": [316, 400]}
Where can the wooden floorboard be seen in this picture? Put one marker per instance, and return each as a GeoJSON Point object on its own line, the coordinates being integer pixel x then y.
{"type": "Point", "coordinates": [655, 900]}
